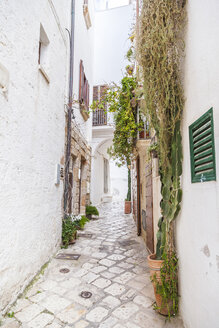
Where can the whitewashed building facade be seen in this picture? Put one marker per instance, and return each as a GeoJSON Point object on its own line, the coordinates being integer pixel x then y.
{"type": "Point", "coordinates": [198, 223]}
{"type": "Point", "coordinates": [34, 99]}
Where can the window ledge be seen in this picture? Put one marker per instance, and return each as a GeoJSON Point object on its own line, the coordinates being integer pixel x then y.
{"type": "Point", "coordinates": [87, 16]}
{"type": "Point", "coordinates": [43, 72]}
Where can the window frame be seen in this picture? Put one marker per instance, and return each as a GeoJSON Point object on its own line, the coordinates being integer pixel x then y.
{"type": "Point", "coordinates": [209, 175]}
{"type": "Point", "coordinates": [84, 90]}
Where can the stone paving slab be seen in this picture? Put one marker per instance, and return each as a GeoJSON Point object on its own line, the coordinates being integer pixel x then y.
{"type": "Point", "coordinates": [112, 266]}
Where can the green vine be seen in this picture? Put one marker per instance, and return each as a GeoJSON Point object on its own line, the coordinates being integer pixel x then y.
{"type": "Point", "coordinates": [167, 287]}
{"type": "Point", "coordinates": [160, 50]}
{"type": "Point", "coordinates": [122, 101]}
{"type": "Point", "coordinates": [128, 197]}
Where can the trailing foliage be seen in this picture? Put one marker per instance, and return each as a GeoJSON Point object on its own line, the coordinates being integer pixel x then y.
{"type": "Point", "coordinates": [91, 210]}
{"type": "Point", "coordinates": [70, 224]}
{"type": "Point", "coordinates": [167, 287]}
{"type": "Point", "coordinates": [68, 229]}
{"type": "Point", "coordinates": [80, 223]}
{"type": "Point", "coordinates": [160, 50]}
{"type": "Point", "coordinates": [122, 102]}
{"type": "Point", "coordinates": [128, 197]}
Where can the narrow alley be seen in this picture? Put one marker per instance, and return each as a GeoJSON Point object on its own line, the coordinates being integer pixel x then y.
{"type": "Point", "coordinates": [111, 270]}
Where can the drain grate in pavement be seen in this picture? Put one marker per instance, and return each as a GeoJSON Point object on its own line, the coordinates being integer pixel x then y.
{"type": "Point", "coordinates": [64, 270]}
{"type": "Point", "coordinates": [64, 256]}
{"type": "Point", "coordinates": [127, 242]}
{"type": "Point", "coordinates": [86, 294]}
{"type": "Point", "coordinates": [85, 235]}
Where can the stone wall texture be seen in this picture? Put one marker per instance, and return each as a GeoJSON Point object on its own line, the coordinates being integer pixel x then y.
{"type": "Point", "coordinates": [80, 168]}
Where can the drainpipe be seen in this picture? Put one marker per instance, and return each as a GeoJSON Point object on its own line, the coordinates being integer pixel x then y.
{"type": "Point", "coordinates": [69, 113]}
{"type": "Point", "coordinates": [137, 38]}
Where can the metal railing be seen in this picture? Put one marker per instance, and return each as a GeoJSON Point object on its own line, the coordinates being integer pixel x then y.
{"type": "Point", "coordinates": [99, 117]}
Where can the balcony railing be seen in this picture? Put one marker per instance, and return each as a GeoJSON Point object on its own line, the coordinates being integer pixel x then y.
{"type": "Point", "coordinates": [99, 117]}
{"type": "Point", "coordinates": [144, 134]}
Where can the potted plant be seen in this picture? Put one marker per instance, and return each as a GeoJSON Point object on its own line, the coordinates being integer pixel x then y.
{"type": "Point", "coordinates": [128, 203]}
{"type": "Point", "coordinates": [164, 101]}
{"type": "Point", "coordinates": [74, 236]}
{"type": "Point", "coordinates": [70, 224]}
{"type": "Point", "coordinates": [69, 231]}
{"type": "Point", "coordinates": [91, 210]}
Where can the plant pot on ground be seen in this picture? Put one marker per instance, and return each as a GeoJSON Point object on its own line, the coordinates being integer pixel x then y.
{"type": "Point", "coordinates": [128, 203]}
{"type": "Point", "coordinates": [164, 306]}
{"type": "Point", "coordinates": [90, 211]}
{"type": "Point", "coordinates": [164, 272]}
{"type": "Point", "coordinates": [74, 237]}
{"type": "Point", "coordinates": [128, 207]}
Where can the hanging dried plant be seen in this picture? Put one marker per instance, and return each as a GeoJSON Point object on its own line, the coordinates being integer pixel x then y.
{"type": "Point", "coordinates": [160, 48]}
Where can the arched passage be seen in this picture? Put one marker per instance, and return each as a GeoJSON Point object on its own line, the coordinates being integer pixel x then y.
{"type": "Point", "coordinates": [108, 181]}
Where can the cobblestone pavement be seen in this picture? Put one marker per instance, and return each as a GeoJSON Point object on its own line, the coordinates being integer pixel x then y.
{"type": "Point", "coordinates": [112, 267]}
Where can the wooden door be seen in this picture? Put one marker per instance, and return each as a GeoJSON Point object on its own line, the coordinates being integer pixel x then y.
{"type": "Point", "coordinates": [149, 209]}
{"type": "Point", "coordinates": [70, 191]}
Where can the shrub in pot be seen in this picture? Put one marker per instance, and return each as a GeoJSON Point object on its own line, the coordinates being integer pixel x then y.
{"type": "Point", "coordinates": [70, 225]}
{"type": "Point", "coordinates": [128, 203]}
{"type": "Point", "coordinates": [91, 210]}
{"type": "Point", "coordinates": [68, 231]}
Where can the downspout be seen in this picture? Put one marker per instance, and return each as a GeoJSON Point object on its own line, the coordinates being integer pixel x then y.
{"type": "Point", "coordinates": [137, 38]}
{"type": "Point", "coordinates": [69, 113]}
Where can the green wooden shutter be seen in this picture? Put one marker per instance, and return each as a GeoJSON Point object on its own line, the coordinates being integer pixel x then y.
{"type": "Point", "coordinates": [202, 148]}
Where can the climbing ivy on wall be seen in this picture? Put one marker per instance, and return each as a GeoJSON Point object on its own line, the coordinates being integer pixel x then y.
{"type": "Point", "coordinates": [160, 52]}
{"type": "Point", "coordinates": [122, 101]}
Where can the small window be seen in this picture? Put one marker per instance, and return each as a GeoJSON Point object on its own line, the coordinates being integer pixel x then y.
{"type": "Point", "coordinates": [43, 58]}
{"type": "Point", "coordinates": [83, 92]}
{"type": "Point", "coordinates": [202, 148]}
{"type": "Point", "coordinates": [86, 14]}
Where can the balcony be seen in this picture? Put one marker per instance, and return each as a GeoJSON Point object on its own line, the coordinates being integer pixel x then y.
{"type": "Point", "coordinates": [99, 117]}
{"type": "Point", "coordinates": [144, 134]}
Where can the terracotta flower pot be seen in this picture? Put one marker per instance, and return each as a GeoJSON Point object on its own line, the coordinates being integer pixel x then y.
{"type": "Point", "coordinates": [74, 236]}
{"type": "Point", "coordinates": [155, 271]}
{"type": "Point", "coordinates": [128, 207]}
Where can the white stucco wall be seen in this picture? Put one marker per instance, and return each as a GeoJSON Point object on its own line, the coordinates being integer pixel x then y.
{"type": "Point", "coordinates": [198, 223]}
{"type": "Point", "coordinates": [97, 178]}
{"type": "Point", "coordinates": [119, 181]}
{"type": "Point", "coordinates": [83, 50]}
{"type": "Point", "coordinates": [32, 136]}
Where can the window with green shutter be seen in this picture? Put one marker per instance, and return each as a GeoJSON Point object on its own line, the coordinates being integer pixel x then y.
{"type": "Point", "coordinates": [202, 148]}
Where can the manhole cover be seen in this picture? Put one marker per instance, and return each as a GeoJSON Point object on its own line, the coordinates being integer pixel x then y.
{"type": "Point", "coordinates": [64, 270]}
{"type": "Point", "coordinates": [64, 256]}
{"type": "Point", "coordinates": [86, 294]}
